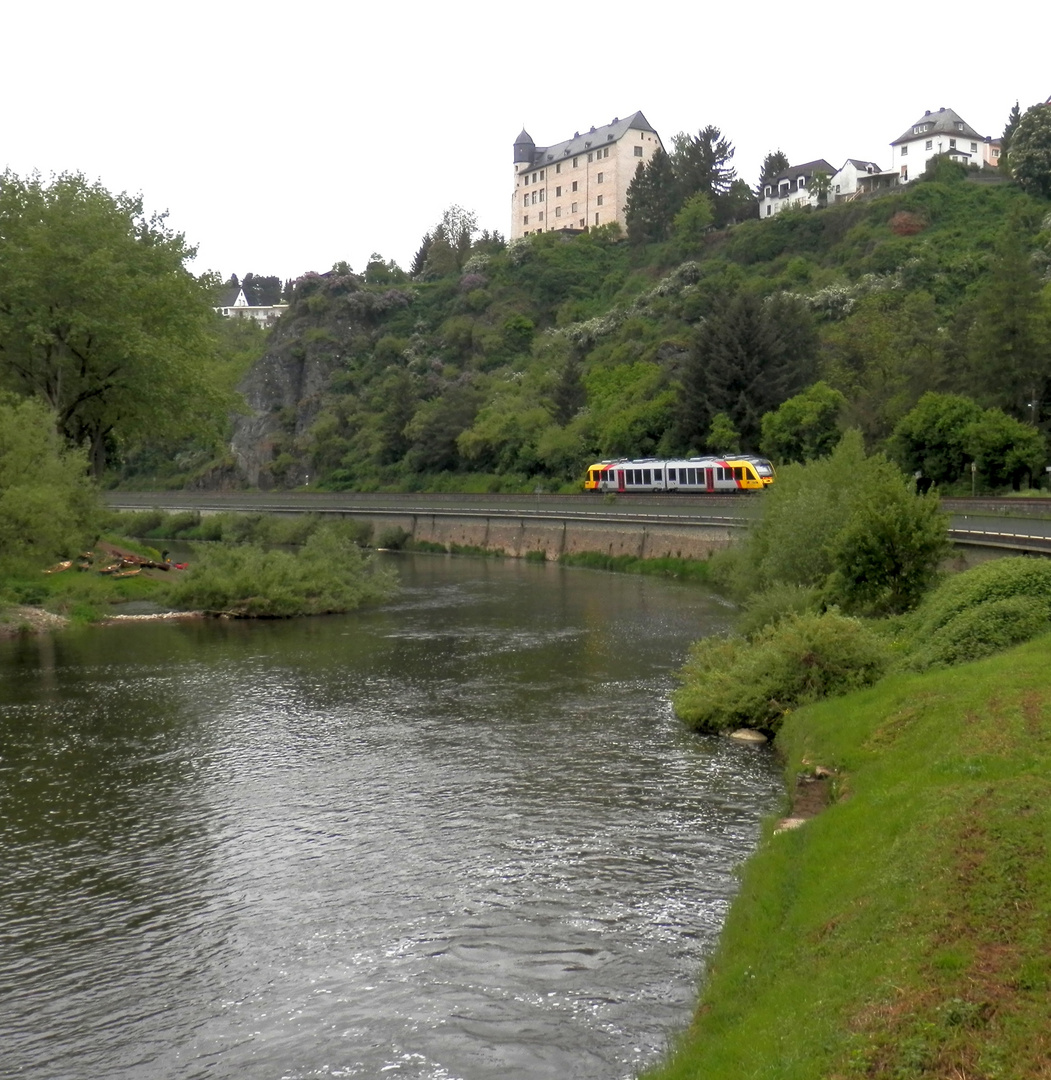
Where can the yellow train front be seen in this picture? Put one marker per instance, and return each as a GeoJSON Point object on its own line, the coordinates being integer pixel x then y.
{"type": "Point", "coordinates": [700, 475]}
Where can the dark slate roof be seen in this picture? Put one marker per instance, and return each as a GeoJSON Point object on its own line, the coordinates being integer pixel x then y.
{"type": "Point", "coordinates": [808, 169]}
{"type": "Point", "coordinates": [943, 122]}
{"type": "Point", "coordinates": [229, 296]}
{"type": "Point", "coordinates": [863, 165]}
{"type": "Point", "coordinates": [590, 140]}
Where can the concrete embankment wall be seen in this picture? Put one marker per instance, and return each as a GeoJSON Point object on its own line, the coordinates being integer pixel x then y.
{"type": "Point", "coordinates": [555, 537]}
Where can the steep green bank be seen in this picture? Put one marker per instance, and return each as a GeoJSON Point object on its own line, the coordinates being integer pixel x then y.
{"type": "Point", "coordinates": [905, 931]}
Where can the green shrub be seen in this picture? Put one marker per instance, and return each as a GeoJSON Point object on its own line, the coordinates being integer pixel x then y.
{"type": "Point", "coordinates": [769, 607]}
{"type": "Point", "coordinates": [970, 615]}
{"type": "Point", "coordinates": [731, 683]}
{"type": "Point", "coordinates": [986, 629]}
{"type": "Point", "coordinates": [329, 574]}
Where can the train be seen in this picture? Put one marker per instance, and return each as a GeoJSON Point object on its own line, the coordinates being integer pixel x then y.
{"type": "Point", "coordinates": [698, 475]}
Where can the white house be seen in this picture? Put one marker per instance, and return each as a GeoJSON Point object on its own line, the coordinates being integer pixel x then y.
{"type": "Point", "coordinates": [941, 132]}
{"type": "Point", "coordinates": [235, 305]}
{"type": "Point", "coordinates": [794, 187]}
{"type": "Point", "coordinates": [845, 183]}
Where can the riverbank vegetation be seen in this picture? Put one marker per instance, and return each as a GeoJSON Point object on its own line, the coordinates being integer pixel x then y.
{"type": "Point", "coordinates": [903, 932]}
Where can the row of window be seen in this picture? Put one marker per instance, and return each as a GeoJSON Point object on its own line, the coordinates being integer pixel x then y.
{"type": "Point", "coordinates": [929, 145]}
{"type": "Point", "coordinates": [593, 156]}
{"type": "Point", "coordinates": [641, 477]}
{"type": "Point", "coordinates": [531, 200]}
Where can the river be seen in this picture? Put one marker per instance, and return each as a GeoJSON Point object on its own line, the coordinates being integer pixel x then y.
{"type": "Point", "coordinates": [458, 836]}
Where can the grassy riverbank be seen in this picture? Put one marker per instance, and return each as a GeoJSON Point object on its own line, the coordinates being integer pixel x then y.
{"type": "Point", "coordinates": [905, 931]}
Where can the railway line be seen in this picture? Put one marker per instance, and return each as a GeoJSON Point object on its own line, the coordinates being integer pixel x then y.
{"type": "Point", "coordinates": [1001, 523]}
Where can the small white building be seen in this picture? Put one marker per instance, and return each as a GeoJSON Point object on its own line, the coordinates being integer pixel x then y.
{"type": "Point", "coordinates": [845, 183]}
{"type": "Point", "coordinates": [794, 187]}
{"type": "Point", "coordinates": [235, 305]}
{"type": "Point", "coordinates": [941, 132]}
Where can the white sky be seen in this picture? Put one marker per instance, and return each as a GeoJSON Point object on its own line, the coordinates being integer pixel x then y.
{"type": "Point", "coordinates": [282, 137]}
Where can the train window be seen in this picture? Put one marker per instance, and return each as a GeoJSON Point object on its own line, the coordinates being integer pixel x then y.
{"type": "Point", "coordinates": [647, 476]}
{"type": "Point", "coordinates": [738, 472]}
{"type": "Point", "coordinates": [691, 476]}
{"type": "Point", "coordinates": [671, 476]}
{"type": "Point", "coordinates": [719, 473]}
{"type": "Point", "coordinates": [657, 476]}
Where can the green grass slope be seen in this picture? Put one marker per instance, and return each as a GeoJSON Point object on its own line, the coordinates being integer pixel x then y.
{"type": "Point", "coordinates": [905, 931]}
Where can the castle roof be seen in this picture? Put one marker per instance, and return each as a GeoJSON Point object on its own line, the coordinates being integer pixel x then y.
{"type": "Point", "coordinates": [942, 122]}
{"type": "Point", "coordinates": [591, 140]}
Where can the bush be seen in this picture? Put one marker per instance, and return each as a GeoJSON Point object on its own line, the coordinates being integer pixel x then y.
{"type": "Point", "coordinates": [733, 683]}
{"type": "Point", "coordinates": [982, 611]}
{"type": "Point", "coordinates": [769, 607]}
{"type": "Point", "coordinates": [330, 574]}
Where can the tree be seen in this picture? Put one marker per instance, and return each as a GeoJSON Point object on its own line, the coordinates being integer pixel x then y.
{"type": "Point", "coordinates": [1030, 154]}
{"type": "Point", "coordinates": [692, 221]}
{"type": "Point", "coordinates": [774, 164]}
{"type": "Point", "coordinates": [652, 201]}
{"type": "Point", "coordinates": [1005, 450]}
{"type": "Point", "coordinates": [99, 317]}
{"type": "Point", "coordinates": [261, 291]}
{"type": "Point", "coordinates": [1013, 117]}
{"type": "Point", "coordinates": [1010, 332]}
{"type": "Point", "coordinates": [805, 426]}
{"type": "Point", "coordinates": [722, 435]}
{"type": "Point", "coordinates": [930, 439]}
{"type": "Point", "coordinates": [748, 357]}
{"type": "Point", "coordinates": [701, 162]}
{"type": "Point", "coordinates": [850, 526]}
{"type": "Point", "coordinates": [48, 507]}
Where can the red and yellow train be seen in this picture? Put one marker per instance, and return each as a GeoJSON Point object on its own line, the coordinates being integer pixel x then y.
{"type": "Point", "coordinates": [698, 475]}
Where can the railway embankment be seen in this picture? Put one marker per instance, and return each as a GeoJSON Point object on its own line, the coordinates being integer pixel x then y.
{"type": "Point", "coordinates": [905, 929]}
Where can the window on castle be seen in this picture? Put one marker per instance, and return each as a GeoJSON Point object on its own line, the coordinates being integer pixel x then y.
{"type": "Point", "coordinates": [540, 216]}
{"type": "Point", "coordinates": [575, 162]}
{"type": "Point", "coordinates": [534, 178]}
{"type": "Point", "coordinates": [558, 193]}
{"type": "Point", "coordinates": [558, 211]}
{"type": "Point", "coordinates": [596, 219]}
{"type": "Point", "coordinates": [525, 219]}
{"type": "Point", "coordinates": [541, 174]}
{"type": "Point", "coordinates": [599, 202]}
{"type": "Point", "coordinates": [583, 222]}
{"type": "Point", "coordinates": [558, 167]}
{"type": "Point", "coordinates": [534, 197]}
{"type": "Point", "coordinates": [525, 199]}
{"type": "Point", "coordinates": [638, 151]}
{"type": "Point", "coordinates": [591, 157]}
{"type": "Point", "coordinates": [573, 208]}
{"type": "Point", "coordinates": [574, 185]}
{"type": "Point", "coordinates": [605, 151]}
{"type": "Point", "coordinates": [541, 195]}
{"type": "Point", "coordinates": [601, 177]}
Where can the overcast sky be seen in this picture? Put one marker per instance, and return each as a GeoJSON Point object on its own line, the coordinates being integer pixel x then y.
{"type": "Point", "coordinates": [282, 138]}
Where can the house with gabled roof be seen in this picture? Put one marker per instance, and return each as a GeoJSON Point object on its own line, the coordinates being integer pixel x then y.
{"type": "Point", "coordinates": [846, 182]}
{"type": "Point", "coordinates": [941, 132]}
{"type": "Point", "coordinates": [233, 304]}
{"type": "Point", "coordinates": [793, 187]}
{"type": "Point", "coordinates": [581, 182]}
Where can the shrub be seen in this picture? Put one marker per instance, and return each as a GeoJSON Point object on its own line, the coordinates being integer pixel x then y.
{"type": "Point", "coordinates": [982, 611]}
{"type": "Point", "coordinates": [771, 605]}
{"type": "Point", "coordinates": [732, 682]}
{"type": "Point", "coordinates": [330, 574]}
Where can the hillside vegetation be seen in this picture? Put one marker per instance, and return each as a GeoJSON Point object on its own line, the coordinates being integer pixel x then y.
{"type": "Point", "coordinates": [902, 932]}
{"type": "Point", "coordinates": [508, 366]}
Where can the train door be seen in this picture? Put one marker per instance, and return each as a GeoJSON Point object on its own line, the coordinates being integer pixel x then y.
{"type": "Point", "coordinates": [709, 482]}
{"type": "Point", "coordinates": [620, 479]}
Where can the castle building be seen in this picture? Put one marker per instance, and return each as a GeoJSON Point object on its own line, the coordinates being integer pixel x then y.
{"type": "Point", "coordinates": [580, 183]}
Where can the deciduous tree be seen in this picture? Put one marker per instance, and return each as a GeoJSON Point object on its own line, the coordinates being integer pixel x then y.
{"type": "Point", "coordinates": [99, 317]}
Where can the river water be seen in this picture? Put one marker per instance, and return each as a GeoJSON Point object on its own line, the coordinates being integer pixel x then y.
{"type": "Point", "coordinates": [460, 836]}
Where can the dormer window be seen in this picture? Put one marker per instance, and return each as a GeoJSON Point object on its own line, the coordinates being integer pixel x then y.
{"type": "Point", "coordinates": [767, 190]}
{"type": "Point", "coordinates": [959, 125]}
{"type": "Point", "coordinates": [801, 182]}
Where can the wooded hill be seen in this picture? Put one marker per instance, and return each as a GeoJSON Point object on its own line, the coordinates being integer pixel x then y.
{"type": "Point", "coordinates": [502, 367]}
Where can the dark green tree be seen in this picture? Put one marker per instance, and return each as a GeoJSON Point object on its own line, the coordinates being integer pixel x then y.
{"type": "Point", "coordinates": [1005, 451]}
{"type": "Point", "coordinates": [1008, 343]}
{"type": "Point", "coordinates": [774, 164]}
{"type": "Point", "coordinates": [1013, 118]}
{"type": "Point", "coordinates": [748, 357]}
{"type": "Point", "coordinates": [653, 201]}
{"type": "Point", "coordinates": [261, 291]}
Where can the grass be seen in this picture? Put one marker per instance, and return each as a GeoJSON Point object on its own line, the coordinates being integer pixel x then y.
{"type": "Point", "coordinates": [695, 570]}
{"type": "Point", "coordinates": [905, 932]}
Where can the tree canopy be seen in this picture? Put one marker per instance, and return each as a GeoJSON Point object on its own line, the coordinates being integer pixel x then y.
{"type": "Point", "coordinates": [1030, 151]}
{"type": "Point", "coordinates": [99, 317]}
